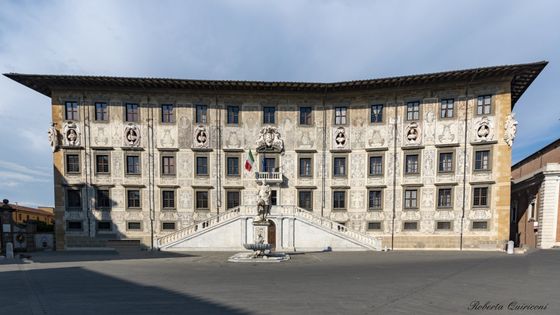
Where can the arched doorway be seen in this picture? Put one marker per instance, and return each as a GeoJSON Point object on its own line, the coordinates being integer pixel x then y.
{"type": "Point", "coordinates": [272, 234]}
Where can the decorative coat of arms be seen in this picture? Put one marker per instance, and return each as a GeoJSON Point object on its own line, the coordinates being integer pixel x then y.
{"type": "Point", "coordinates": [132, 135]}
{"type": "Point", "coordinates": [511, 129]}
{"type": "Point", "coordinates": [269, 140]}
{"type": "Point", "coordinates": [484, 130]}
{"type": "Point", "coordinates": [71, 133]}
{"type": "Point", "coordinates": [53, 137]}
{"type": "Point", "coordinates": [200, 137]}
{"type": "Point", "coordinates": [340, 138]}
{"type": "Point", "coordinates": [413, 133]}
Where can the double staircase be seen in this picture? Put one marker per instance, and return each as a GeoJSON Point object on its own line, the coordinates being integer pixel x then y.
{"type": "Point", "coordinates": [334, 229]}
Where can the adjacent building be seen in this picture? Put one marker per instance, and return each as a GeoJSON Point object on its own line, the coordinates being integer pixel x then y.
{"type": "Point", "coordinates": [535, 201]}
{"type": "Point", "coordinates": [419, 161]}
{"type": "Point", "coordinates": [24, 214]}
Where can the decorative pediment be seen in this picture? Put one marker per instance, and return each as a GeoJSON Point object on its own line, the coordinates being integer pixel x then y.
{"type": "Point", "coordinates": [71, 135]}
{"type": "Point", "coordinates": [201, 139]}
{"type": "Point", "coordinates": [132, 135]}
{"type": "Point", "coordinates": [269, 140]}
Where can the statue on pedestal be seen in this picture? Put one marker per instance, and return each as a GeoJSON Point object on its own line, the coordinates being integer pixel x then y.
{"type": "Point", "coordinates": [263, 203]}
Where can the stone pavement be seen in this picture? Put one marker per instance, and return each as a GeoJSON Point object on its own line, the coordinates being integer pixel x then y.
{"type": "Point", "coordinates": [313, 283]}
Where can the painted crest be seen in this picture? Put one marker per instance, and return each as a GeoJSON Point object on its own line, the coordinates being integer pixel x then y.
{"type": "Point", "coordinates": [71, 133]}
{"type": "Point", "coordinates": [200, 137]}
{"type": "Point", "coordinates": [132, 135]}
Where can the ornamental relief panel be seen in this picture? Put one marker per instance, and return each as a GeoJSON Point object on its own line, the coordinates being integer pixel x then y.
{"type": "Point", "coordinates": [446, 133]}
{"type": "Point", "coordinates": [184, 131]}
{"type": "Point", "coordinates": [479, 214]}
{"type": "Point", "coordinates": [166, 137]}
{"type": "Point", "coordinates": [410, 216]}
{"type": "Point", "coordinates": [132, 135]}
{"type": "Point", "coordinates": [201, 137]}
{"type": "Point", "coordinates": [101, 136]}
{"type": "Point", "coordinates": [483, 129]}
{"type": "Point", "coordinates": [339, 216]}
{"type": "Point", "coordinates": [357, 199]}
{"type": "Point", "coordinates": [340, 138]}
{"type": "Point", "coordinates": [71, 135]}
{"type": "Point", "coordinates": [429, 127]}
{"type": "Point", "coordinates": [269, 140]}
{"type": "Point", "coordinates": [376, 138]}
{"type": "Point", "coordinates": [53, 137]}
{"type": "Point", "coordinates": [412, 134]}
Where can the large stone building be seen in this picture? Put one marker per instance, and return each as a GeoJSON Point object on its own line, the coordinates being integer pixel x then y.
{"type": "Point", "coordinates": [535, 199]}
{"type": "Point", "coordinates": [420, 161]}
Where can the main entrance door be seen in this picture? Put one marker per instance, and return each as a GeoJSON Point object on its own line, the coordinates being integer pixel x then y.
{"type": "Point", "coordinates": [272, 234]}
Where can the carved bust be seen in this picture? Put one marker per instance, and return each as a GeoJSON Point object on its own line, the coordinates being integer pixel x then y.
{"type": "Point", "coordinates": [53, 137]}
{"type": "Point", "coordinates": [132, 135]}
{"type": "Point", "coordinates": [413, 133]}
{"type": "Point", "coordinates": [510, 129]}
{"type": "Point", "coordinates": [484, 130]}
{"type": "Point", "coordinates": [340, 137]}
{"type": "Point", "coordinates": [201, 137]}
{"type": "Point", "coordinates": [269, 140]}
{"type": "Point", "coordinates": [71, 135]}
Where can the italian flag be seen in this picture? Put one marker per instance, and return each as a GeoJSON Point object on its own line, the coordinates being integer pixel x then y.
{"type": "Point", "coordinates": [249, 162]}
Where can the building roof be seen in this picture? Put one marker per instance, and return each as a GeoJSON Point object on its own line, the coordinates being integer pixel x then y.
{"type": "Point", "coordinates": [31, 210]}
{"type": "Point", "coordinates": [522, 76]}
{"type": "Point", "coordinates": [551, 146]}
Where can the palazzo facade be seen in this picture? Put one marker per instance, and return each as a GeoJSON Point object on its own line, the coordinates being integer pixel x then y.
{"type": "Point", "coordinates": [420, 161]}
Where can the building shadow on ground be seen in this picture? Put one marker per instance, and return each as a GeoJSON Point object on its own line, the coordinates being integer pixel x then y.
{"type": "Point", "coordinates": [77, 290]}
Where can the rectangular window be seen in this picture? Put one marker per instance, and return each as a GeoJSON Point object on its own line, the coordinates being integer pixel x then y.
{"type": "Point", "coordinates": [374, 226]}
{"type": "Point", "coordinates": [305, 168]}
{"type": "Point", "coordinates": [445, 162]}
{"type": "Point", "coordinates": [71, 110]}
{"type": "Point", "coordinates": [101, 112]}
{"type": "Point", "coordinates": [168, 199]}
{"type": "Point", "coordinates": [133, 164]}
{"type": "Point", "coordinates": [375, 200]}
{"type": "Point", "coordinates": [72, 163]}
{"type": "Point", "coordinates": [480, 197]}
{"type": "Point", "coordinates": [413, 110]}
{"type": "Point", "coordinates": [446, 108]}
{"type": "Point", "coordinates": [410, 226]}
{"type": "Point", "coordinates": [305, 116]}
{"type": "Point", "coordinates": [268, 114]}
{"type": "Point", "coordinates": [232, 166]}
{"type": "Point", "coordinates": [167, 113]}
{"type": "Point", "coordinates": [133, 198]}
{"type": "Point", "coordinates": [482, 160]}
{"type": "Point", "coordinates": [201, 165]}
{"type": "Point", "coordinates": [268, 164]}
{"type": "Point", "coordinates": [168, 165]}
{"type": "Point", "coordinates": [376, 113]}
{"type": "Point", "coordinates": [274, 197]}
{"type": "Point", "coordinates": [233, 199]}
{"type": "Point", "coordinates": [168, 226]}
{"type": "Point", "coordinates": [480, 225]}
{"type": "Point", "coordinates": [132, 112]}
{"type": "Point", "coordinates": [201, 200]}
{"type": "Point", "coordinates": [484, 105]}
{"type": "Point", "coordinates": [445, 196]}
{"type": "Point", "coordinates": [104, 225]}
{"type": "Point", "coordinates": [233, 115]}
{"type": "Point", "coordinates": [305, 199]}
{"type": "Point", "coordinates": [134, 225]}
{"type": "Point", "coordinates": [375, 165]}
{"type": "Point", "coordinates": [340, 115]}
{"type": "Point", "coordinates": [103, 198]}
{"type": "Point", "coordinates": [102, 163]}
{"type": "Point", "coordinates": [339, 199]}
{"type": "Point", "coordinates": [73, 225]}
{"type": "Point", "coordinates": [411, 199]}
{"type": "Point", "coordinates": [411, 164]}
{"type": "Point", "coordinates": [339, 166]}
{"type": "Point", "coordinates": [74, 197]}
{"type": "Point", "coordinates": [201, 114]}
{"type": "Point", "coordinates": [443, 226]}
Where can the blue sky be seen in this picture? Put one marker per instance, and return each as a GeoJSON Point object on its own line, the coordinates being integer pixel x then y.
{"type": "Point", "coordinates": [295, 40]}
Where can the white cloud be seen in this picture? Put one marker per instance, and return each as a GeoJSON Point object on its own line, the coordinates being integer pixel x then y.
{"type": "Point", "coordinates": [265, 40]}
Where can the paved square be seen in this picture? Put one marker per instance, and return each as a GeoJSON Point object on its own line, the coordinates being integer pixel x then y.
{"type": "Point", "coordinates": [311, 283]}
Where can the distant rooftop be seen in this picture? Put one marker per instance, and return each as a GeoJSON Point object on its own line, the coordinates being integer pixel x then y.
{"type": "Point", "coordinates": [522, 76]}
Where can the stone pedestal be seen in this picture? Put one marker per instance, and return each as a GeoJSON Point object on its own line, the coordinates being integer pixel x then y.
{"type": "Point", "coordinates": [260, 232]}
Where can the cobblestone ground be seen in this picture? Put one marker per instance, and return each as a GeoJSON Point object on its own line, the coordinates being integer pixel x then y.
{"type": "Point", "coordinates": [312, 283]}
